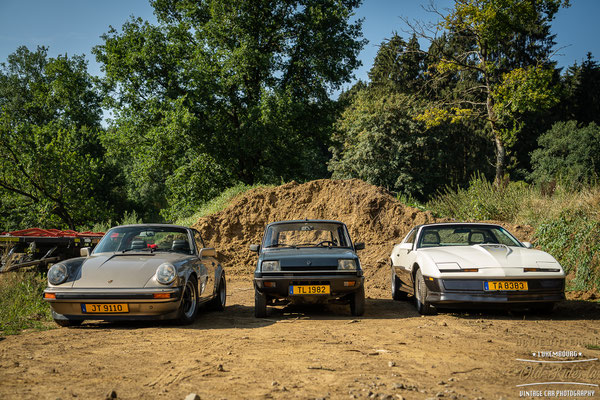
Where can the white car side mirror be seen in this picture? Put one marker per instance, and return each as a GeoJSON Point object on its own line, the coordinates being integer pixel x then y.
{"type": "Point", "coordinates": [406, 246]}
{"type": "Point", "coordinates": [527, 245]}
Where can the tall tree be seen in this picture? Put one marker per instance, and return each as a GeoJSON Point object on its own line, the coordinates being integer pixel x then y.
{"type": "Point", "coordinates": [52, 170]}
{"type": "Point", "coordinates": [240, 87]}
{"type": "Point", "coordinates": [509, 45]}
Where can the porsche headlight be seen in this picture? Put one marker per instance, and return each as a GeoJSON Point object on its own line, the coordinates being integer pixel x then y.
{"type": "Point", "coordinates": [165, 273]}
{"type": "Point", "coordinates": [270, 266]}
{"type": "Point", "coordinates": [347, 265]}
{"type": "Point", "coordinates": [57, 274]}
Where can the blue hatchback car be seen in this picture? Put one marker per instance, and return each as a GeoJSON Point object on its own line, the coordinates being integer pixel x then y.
{"type": "Point", "coordinates": [308, 261]}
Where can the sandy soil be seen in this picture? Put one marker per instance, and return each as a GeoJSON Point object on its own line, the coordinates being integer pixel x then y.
{"type": "Point", "coordinates": [307, 352]}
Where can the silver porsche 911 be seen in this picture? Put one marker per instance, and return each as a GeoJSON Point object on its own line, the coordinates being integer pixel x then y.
{"type": "Point", "coordinates": [146, 271]}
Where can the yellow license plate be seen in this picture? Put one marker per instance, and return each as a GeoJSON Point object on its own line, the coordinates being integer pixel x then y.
{"type": "Point", "coordinates": [105, 308]}
{"type": "Point", "coordinates": [310, 289]}
{"type": "Point", "coordinates": [505, 285]}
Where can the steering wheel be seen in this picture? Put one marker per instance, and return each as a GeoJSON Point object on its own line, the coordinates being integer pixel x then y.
{"type": "Point", "coordinates": [331, 243]}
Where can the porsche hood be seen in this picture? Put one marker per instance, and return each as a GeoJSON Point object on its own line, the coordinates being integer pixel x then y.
{"type": "Point", "coordinates": [117, 270]}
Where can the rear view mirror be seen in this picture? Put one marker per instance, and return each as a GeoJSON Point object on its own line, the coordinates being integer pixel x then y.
{"type": "Point", "coordinates": [255, 247]}
{"type": "Point", "coordinates": [208, 252]}
{"type": "Point", "coordinates": [359, 246]}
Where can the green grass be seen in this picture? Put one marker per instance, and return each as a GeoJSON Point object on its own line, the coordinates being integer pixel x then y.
{"type": "Point", "coordinates": [592, 346]}
{"type": "Point", "coordinates": [21, 303]}
{"type": "Point", "coordinates": [218, 203]}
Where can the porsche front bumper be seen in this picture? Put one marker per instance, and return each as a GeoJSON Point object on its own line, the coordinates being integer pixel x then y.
{"type": "Point", "coordinates": [142, 304]}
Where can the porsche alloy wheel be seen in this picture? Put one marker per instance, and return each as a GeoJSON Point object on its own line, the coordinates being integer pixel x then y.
{"type": "Point", "coordinates": [218, 303]}
{"type": "Point", "coordinates": [423, 307]}
{"type": "Point", "coordinates": [189, 302]}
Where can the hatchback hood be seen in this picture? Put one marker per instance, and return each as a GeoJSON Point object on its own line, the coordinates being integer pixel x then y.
{"type": "Point", "coordinates": [127, 270]}
{"type": "Point", "coordinates": [490, 256]}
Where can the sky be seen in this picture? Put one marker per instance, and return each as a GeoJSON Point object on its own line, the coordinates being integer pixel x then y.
{"type": "Point", "coordinates": [75, 26]}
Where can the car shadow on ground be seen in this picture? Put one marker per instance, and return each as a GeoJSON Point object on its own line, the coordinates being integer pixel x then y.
{"type": "Point", "coordinates": [566, 310]}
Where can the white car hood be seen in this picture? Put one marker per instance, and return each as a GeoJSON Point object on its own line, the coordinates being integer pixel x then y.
{"type": "Point", "coordinates": [490, 256]}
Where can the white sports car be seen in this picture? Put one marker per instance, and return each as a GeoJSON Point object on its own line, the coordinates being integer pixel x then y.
{"type": "Point", "coordinates": [450, 264]}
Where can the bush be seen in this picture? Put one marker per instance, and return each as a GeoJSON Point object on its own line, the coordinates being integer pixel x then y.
{"type": "Point", "coordinates": [574, 240]}
{"type": "Point", "coordinates": [482, 200]}
{"type": "Point", "coordinates": [21, 302]}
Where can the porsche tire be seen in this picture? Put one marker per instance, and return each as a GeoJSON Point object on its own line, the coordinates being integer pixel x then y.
{"type": "Point", "coordinates": [188, 308]}
{"type": "Point", "coordinates": [218, 303]}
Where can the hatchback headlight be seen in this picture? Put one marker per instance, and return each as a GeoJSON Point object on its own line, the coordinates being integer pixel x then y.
{"type": "Point", "coordinates": [57, 274]}
{"type": "Point", "coordinates": [165, 273]}
{"type": "Point", "coordinates": [270, 266]}
{"type": "Point", "coordinates": [347, 265]}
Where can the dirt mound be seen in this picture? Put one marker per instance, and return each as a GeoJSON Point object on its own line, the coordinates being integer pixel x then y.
{"type": "Point", "coordinates": [371, 213]}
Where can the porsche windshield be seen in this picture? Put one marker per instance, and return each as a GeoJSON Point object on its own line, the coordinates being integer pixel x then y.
{"type": "Point", "coordinates": [144, 238]}
{"type": "Point", "coordinates": [306, 234]}
{"type": "Point", "coordinates": [465, 235]}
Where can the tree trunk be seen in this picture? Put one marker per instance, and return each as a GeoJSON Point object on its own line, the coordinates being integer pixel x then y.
{"type": "Point", "coordinates": [500, 159]}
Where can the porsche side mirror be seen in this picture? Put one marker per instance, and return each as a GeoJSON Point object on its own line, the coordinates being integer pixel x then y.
{"type": "Point", "coordinates": [84, 252]}
{"type": "Point", "coordinates": [255, 248]}
{"type": "Point", "coordinates": [359, 246]}
{"type": "Point", "coordinates": [527, 245]}
{"type": "Point", "coordinates": [208, 252]}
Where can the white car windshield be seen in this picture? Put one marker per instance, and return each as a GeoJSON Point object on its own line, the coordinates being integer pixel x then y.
{"type": "Point", "coordinates": [465, 235]}
{"type": "Point", "coordinates": [306, 234]}
{"type": "Point", "coordinates": [144, 238]}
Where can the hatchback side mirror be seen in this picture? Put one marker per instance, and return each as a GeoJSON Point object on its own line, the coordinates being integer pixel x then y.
{"type": "Point", "coordinates": [84, 252]}
{"type": "Point", "coordinates": [255, 248]}
{"type": "Point", "coordinates": [359, 246]}
{"type": "Point", "coordinates": [527, 245]}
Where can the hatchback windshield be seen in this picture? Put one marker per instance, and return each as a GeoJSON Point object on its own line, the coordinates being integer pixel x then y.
{"type": "Point", "coordinates": [465, 235]}
{"type": "Point", "coordinates": [306, 234]}
{"type": "Point", "coordinates": [144, 238]}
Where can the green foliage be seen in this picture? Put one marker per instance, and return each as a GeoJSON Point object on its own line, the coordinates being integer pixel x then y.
{"type": "Point", "coordinates": [574, 240]}
{"type": "Point", "coordinates": [482, 200]}
{"type": "Point", "coordinates": [21, 302]}
{"type": "Point", "coordinates": [129, 218]}
{"type": "Point", "coordinates": [53, 168]}
{"type": "Point", "coordinates": [220, 92]}
{"type": "Point", "coordinates": [379, 140]}
{"type": "Point", "coordinates": [217, 203]}
{"type": "Point", "coordinates": [568, 153]}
